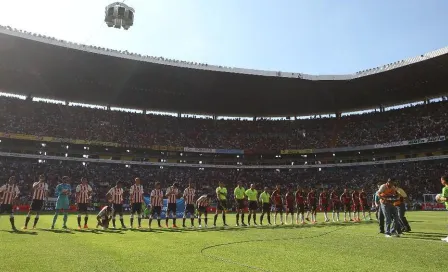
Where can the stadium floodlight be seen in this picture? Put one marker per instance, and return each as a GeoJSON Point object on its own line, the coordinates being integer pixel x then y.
{"type": "Point", "coordinates": [119, 15]}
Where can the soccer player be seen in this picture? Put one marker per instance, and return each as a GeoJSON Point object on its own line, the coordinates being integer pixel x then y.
{"type": "Point", "coordinates": [252, 196]}
{"type": "Point", "coordinates": [444, 196]}
{"type": "Point", "coordinates": [364, 204]}
{"type": "Point", "coordinates": [172, 193]}
{"type": "Point", "coordinates": [355, 201]}
{"type": "Point", "coordinates": [104, 217]}
{"type": "Point", "coordinates": [63, 191]}
{"type": "Point", "coordinates": [189, 194]}
{"type": "Point", "coordinates": [278, 202]}
{"type": "Point", "coordinates": [221, 195]}
{"type": "Point", "coordinates": [336, 204]}
{"type": "Point", "coordinates": [115, 196]}
{"type": "Point", "coordinates": [300, 202]}
{"type": "Point", "coordinates": [240, 205]}
{"type": "Point", "coordinates": [312, 205]}
{"type": "Point", "coordinates": [156, 204]}
{"type": "Point", "coordinates": [289, 199]}
{"type": "Point", "coordinates": [40, 193]}
{"type": "Point", "coordinates": [265, 200]}
{"type": "Point", "coordinates": [323, 203]}
{"type": "Point", "coordinates": [136, 201]}
{"type": "Point", "coordinates": [9, 194]}
{"type": "Point", "coordinates": [202, 203]}
{"type": "Point", "coordinates": [345, 200]}
{"type": "Point", "coordinates": [83, 197]}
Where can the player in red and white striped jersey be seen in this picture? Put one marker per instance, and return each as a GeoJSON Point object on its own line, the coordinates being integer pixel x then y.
{"type": "Point", "coordinates": [83, 197]}
{"type": "Point", "coordinates": [136, 201]}
{"type": "Point", "coordinates": [202, 203]}
{"type": "Point", "coordinates": [115, 196]}
{"type": "Point", "coordinates": [40, 193]}
{"type": "Point", "coordinates": [156, 204]}
{"type": "Point", "coordinates": [189, 194]}
{"type": "Point", "coordinates": [172, 193]}
{"type": "Point", "coordinates": [9, 194]}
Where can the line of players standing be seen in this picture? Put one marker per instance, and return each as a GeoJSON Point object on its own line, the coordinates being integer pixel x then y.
{"type": "Point", "coordinates": [291, 202]}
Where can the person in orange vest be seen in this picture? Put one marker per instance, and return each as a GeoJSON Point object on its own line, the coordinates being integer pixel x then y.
{"type": "Point", "coordinates": [389, 200]}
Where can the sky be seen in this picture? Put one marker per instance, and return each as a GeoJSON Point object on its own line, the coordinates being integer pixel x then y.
{"type": "Point", "coordinates": [313, 37]}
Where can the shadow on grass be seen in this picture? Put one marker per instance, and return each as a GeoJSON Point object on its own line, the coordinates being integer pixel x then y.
{"type": "Point", "coordinates": [62, 231]}
{"type": "Point", "coordinates": [427, 233]}
{"type": "Point", "coordinates": [430, 238]}
{"type": "Point", "coordinates": [20, 232]}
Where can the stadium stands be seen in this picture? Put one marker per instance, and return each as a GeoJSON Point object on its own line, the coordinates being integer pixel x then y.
{"type": "Point", "coordinates": [44, 119]}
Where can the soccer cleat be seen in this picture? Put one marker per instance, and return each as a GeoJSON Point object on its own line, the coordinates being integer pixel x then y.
{"type": "Point", "coordinates": [174, 226]}
{"type": "Point", "coordinates": [214, 225]}
{"type": "Point", "coordinates": [237, 225]}
{"type": "Point", "coordinates": [445, 239]}
{"type": "Point", "coordinates": [206, 226]}
{"type": "Point", "coordinates": [200, 226]}
{"type": "Point", "coordinates": [64, 227]}
{"type": "Point", "coordinates": [139, 227]}
{"type": "Point", "coordinates": [166, 225]}
{"type": "Point", "coordinates": [14, 229]}
{"type": "Point", "coordinates": [255, 224]}
{"type": "Point", "coordinates": [225, 225]}
{"type": "Point", "coordinates": [34, 227]}
{"type": "Point", "coordinates": [52, 227]}
{"type": "Point", "coordinates": [183, 226]}
{"type": "Point", "coordinates": [123, 227]}
{"type": "Point", "coordinates": [79, 227]}
{"type": "Point", "coordinates": [387, 236]}
{"type": "Point", "coordinates": [85, 226]}
{"type": "Point", "coordinates": [244, 225]}
{"type": "Point", "coordinates": [25, 228]}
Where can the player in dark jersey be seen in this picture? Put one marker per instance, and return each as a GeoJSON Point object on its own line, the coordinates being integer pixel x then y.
{"type": "Point", "coordinates": [277, 200]}
{"type": "Point", "coordinates": [345, 200]}
{"type": "Point", "coordinates": [300, 202]}
{"type": "Point", "coordinates": [312, 205]}
{"type": "Point", "coordinates": [289, 199]}
{"type": "Point", "coordinates": [336, 204]}
{"type": "Point", "coordinates": [323, 203]}
{"type": "Point", "coordinates": [355, 201]}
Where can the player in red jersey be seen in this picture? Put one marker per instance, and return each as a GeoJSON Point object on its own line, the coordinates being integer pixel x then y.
{"type": "Point", "coordinates": [345, 200]}
{"type": "Point", "coordinates": [115, 196]}
{"type": "Point", "coordinates": [156, 204]}
{"type": "Point", "coordinates": [289, 199]}
{"type": "Point", "coordinates": [189, 194]}
{"type": "Point", "coordinates": [136, 201]}
{"type": "Point", "coordinates": [336, 204]}
{"type": "Point", "coordinates": [312, 205]}
{"type": "Point", "coordinates": [355, 201]}
{"type": "Point", "coordinates": [202, 204]}
{"type": "Point", "coordinates": [9, 194]}
{"type": "Point", "coordinates": [172, 193]}
{"type": "Point", "coordinates": [40, 193]}
{"type": "Point", "coordinates": [277, 200]}
{"type": "Point", "coordinates": [83, 197]}
{"type": "Point", "coordinates": [300, 202]}
{"type": "Point", "coordinates": [323, 203]}
{"type": "Point", "coordinates": [364, 204]}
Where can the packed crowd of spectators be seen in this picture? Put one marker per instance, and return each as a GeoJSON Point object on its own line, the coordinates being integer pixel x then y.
{"type": "Point", "coordinates": [417, 178]}
{"type": "Point", "coordinates": [44, 119]}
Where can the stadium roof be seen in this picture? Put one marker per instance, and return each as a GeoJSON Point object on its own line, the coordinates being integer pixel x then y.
{"type": "Point", "coordinates": [46, 67]}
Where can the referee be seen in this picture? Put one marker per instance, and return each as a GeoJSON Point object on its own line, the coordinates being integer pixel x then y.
{"type": "Point", "coordinates": [239, 194]}
{"type": "Point", "coordinates": [221, 195]}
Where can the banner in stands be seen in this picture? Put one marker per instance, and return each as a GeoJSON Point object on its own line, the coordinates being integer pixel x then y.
{"type": "Point", "coordinates": [296, 151]}
{"type": "Point", "coordinates": [180, 207]}
{"type": "Point", "coordinates": [199, 150]}
{"type": "Point", "coordinates": [412, 142]}
{"type": "Point", "coordinates": [229, 151]}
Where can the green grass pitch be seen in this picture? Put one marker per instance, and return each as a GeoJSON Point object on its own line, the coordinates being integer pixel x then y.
{"type": "Point", "coordinates": [322, 247]}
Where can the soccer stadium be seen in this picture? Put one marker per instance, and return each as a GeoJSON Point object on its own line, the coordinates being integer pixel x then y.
{"type": "Point", "coordinates": [118, 161]}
